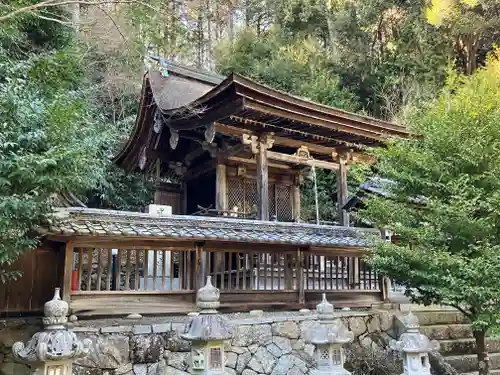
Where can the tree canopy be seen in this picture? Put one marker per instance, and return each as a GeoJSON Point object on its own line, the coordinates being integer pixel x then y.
{"type": "Point", "coordinates": [56, 134]}
{"type": "Point", "coordinates": [445, 195]}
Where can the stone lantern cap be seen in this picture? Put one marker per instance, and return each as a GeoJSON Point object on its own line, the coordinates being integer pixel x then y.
{"type": "Point", "coordinates": [325, 309]}
{"type": "Point", "coordinates": [55, 342]}
{"type": "Point", "coordinates": [207, 298]}
{"type": "Point", "coordinates": [412, 341]}
{"type": "Point", "coordinates": [327, 330]}
{"type": "Point", "coordinates": [208, 326]}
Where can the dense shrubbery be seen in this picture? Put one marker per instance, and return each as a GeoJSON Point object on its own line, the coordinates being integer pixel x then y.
{"type": "Point", "coordinates": [368, 361]}
{"type": "Point", "coordinates": [55, 136]}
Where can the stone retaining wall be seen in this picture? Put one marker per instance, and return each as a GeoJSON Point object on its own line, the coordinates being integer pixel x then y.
{"type": "Point", "coordinates": [270, 344]}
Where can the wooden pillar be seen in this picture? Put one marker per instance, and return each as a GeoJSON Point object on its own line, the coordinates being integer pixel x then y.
{"type": "Point", "coordinates": [385, 286]}
{"type": "Point", "coordinates": [342, 192]}
{"type": "Point", "coordinates": [199, 265]}
{"type": "Point", "coordinates": [68, 271]}
{"type": "Point", "coordinates": [184, 206]}
{"type": "Point", "coordinates": [263, 143]}
{"type": "Point", "coordinates": [300, 276]}
{"type": "Point", "coordinates": [221, 188]}
{"type": "Point", "coordinates": [296, 198]}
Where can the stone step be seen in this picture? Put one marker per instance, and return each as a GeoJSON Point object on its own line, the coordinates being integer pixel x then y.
{"type": "Point", "coordinates": [405, 307]}
{"type": "Point", "coordinates": [492, 372]}
{"type": "Point", "coordinates": [447, 331]}
{"type": "Point", "coordinates": [441, 317]}
{"type": "Point", "coordinates": [468, 363]}
{"type": "Point", "coordinates": [466, 346]}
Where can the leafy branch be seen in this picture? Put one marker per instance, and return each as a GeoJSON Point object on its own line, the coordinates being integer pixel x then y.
{"type": "Point", "coordinates": [43, 5]}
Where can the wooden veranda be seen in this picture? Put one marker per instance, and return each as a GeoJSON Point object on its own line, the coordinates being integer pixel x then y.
{"type": "Point", "coordinates": [122, 262]}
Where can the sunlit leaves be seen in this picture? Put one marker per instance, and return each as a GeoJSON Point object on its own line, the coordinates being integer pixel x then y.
{"type": "Point", "coordinates": [448, 250]}
{"type": "Point", "coordinates": [439, 11]}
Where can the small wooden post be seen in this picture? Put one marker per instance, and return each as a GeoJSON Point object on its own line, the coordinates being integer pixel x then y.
{"type": "Point", "coordinates": [385, 286]}
{"type": "Point", "coordinates": [342, 192]}
{"type": "Point", "coordinates": [184, 206]}
{"type": "Point", "coordinates": [296, 198]}
{"type": "Point", "coordinates": [221, 188]}
{"type": "Point", "coordinates": [68, 271]}
{"type": "Point", "coordinates": [264, 142]}
{"type": "Point", "coordinates": [199, 282]}
{"type": "Point", "coordinates": [288, 261]}
{"type": "Point", "coordinates": [300, 276]}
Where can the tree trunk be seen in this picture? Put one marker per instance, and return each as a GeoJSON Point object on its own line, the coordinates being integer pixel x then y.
{"type": "Point", "coordinates": [199, 26]}
{"type": "Point", "coordinates": [208, 44]}
{"type": "Point", "coordinates": [483, 360]}
{"type": "Point", "coordinates": [230, 31]}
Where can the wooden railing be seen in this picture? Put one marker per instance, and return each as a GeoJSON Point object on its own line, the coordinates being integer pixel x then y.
{"type": "Point", "coordinates": [133, 270]}
{"type": "Point", "coordinates": [244, 277]}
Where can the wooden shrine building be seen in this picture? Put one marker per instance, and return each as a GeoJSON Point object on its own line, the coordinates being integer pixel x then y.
{"type": "Point", "coordinates": [246, 144]}
{"type": "Point", "coordinates": [231, 154]}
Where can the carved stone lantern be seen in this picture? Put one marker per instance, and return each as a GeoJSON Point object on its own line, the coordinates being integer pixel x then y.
{"type": "Point", "coordinates": [52, 351]}
{"type": "Point", "coordinates": [207, 332]}
{"type": "Point", "coordinates": [415, 347]}
{"type": "Point", "coordinates": [328, 336]}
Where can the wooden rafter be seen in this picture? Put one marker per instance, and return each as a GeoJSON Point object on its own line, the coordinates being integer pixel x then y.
{"type": "Point", "coordinates": [282, 141]}
{"type": "Point", "coordinates": [297, 160]}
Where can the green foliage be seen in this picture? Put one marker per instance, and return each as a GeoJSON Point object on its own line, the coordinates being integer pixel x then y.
{"type": "Point", "coordinates": [61, 123]}
{"type": "Point", "coordinates": [296, 66]}
{"type": "Point", "coordinates": [27, 34]}
{"type": "Point", "coordinates": [448, 249]}
{"type": "Point", "coordinates": [471, 26]}
{"type": "Point", "coordinates": [49, 143]}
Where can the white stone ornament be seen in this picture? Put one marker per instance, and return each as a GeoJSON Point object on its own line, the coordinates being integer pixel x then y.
{"type": "Point", "coordinates": [158, 121]}
{"type": "Point", "coordinates": [415, 347]}
{"type": "Point", "coordinates": [207, 298]}
{"type": "Point", "coordinates": [210, 133]}
{"type": "Point", "coordinates": [53, 350]}
{"type": "Point", "coordinates": [328, 336]}
{"type": "Point", "coordinates": [143, 158]}
{"type": "Point", "coordinates": [174, 139]}
{"type": "Point", "coordinates": [208, 331]}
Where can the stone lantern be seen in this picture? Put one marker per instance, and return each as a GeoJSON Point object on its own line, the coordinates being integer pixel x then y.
{"type": "Point", "coordinates": [207, 332]}
{"type": "Point", "coordinates": [52, 351]}
{"type": "Point", "coordinates": [415, 347]}
{"type": "Point", "coordinates": [328, 336]}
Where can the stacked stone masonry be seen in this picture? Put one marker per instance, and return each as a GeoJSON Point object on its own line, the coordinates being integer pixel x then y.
{"type": "Point", "coordinates": [271, 344]}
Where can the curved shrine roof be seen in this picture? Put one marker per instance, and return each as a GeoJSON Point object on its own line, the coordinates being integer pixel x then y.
{"type": "Point", "coordinates": [188, 100]}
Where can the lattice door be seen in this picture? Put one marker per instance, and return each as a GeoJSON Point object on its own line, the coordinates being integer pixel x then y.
{"type": "Point", "coordinates": [284, 210]}
{"type": "Point", "coordinates": [272, 202]}
{"type": "Point", "coordinates": [242, 193]}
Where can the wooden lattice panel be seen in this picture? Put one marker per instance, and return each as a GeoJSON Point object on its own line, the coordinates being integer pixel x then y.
{"type": "Point", "coordinates": [236, 194]}
{"type": "Point", "coordinates": [242, 193]}
{"type": "Point", "coordinates": [272, 202]}
{"type": "Point", "coordinates": [250, 195]}
{"type": "Point", "coordinates": [284, 207]}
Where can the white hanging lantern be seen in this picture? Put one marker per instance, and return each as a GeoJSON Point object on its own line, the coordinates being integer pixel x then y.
{"type": "Point", "coordinates": [52, 351]}
{"type": "Point", "coordinates": [207, 332]}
